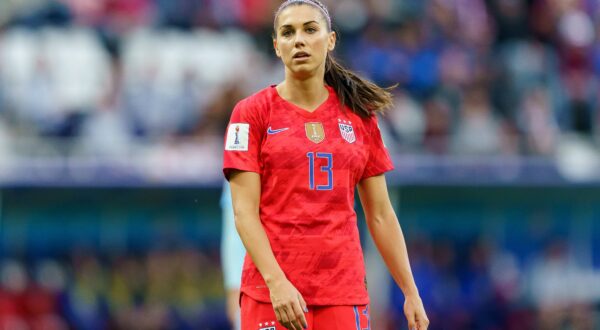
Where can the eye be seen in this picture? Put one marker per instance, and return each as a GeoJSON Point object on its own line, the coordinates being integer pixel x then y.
{"type": "Point", "coordinates": [286, 33]}
{"type": "Point", "coordinates": [311, 30]}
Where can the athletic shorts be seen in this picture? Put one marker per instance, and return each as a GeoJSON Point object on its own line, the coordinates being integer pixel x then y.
{"type": "Point", "coordinates": [257, 315]}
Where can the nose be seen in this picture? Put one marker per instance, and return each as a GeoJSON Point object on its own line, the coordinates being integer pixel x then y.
{"type": "Point", "coordinates": [299, 41]}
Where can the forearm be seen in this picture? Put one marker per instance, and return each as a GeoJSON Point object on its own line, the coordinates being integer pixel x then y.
{"type": "Point", "coordinates": [257, 245]}
{"type": "Point", "coordinates": [245, 193]}
{"type": "Point", "coordinates": [389, 239]}
{"type": "Point", "coordinates": [387, 235]}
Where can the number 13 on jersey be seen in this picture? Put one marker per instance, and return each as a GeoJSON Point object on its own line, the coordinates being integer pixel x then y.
{"type": "Point", "coordinates": [327, 168]}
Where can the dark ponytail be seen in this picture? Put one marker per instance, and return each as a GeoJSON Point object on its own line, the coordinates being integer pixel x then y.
{"type": "Point", "coordinates": [362, 96]}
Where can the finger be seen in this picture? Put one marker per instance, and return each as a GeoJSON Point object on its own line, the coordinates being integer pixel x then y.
{"type": "Point", "coordinates": [303, 303]}
{"type": "Point", "coordinates": [422, 322]}
{"type": "Point", "coordinates": [300, 317]}
{"type": "Point", "coordinates": [277, 315]}
{"type": "Point", "coordinates": [296, 325]}
{"type": "Point", "coordinates": [412, 324]}
{"type": "Point", "coordinates": [293, 307]}
{"type": "Point", "coordinates": [293, 318]}
{"type": "Point", "coordinates": [282, 316]}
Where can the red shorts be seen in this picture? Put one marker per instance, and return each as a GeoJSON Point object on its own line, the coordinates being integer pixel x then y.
{"type": "Point", "coordinates": [257, 315]}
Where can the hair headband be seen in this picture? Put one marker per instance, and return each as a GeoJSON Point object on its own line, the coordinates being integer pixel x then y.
{"type": "Point", "coordinates": [315, 4]}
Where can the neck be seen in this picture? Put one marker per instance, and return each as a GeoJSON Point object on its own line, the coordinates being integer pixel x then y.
{"type": "Point", "coordinates": [307, 93]}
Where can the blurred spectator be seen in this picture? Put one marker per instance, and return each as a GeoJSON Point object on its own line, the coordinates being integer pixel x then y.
{"type": "Point", "coordinates": [374, 56]}
{"type": "Point", "coordinates": [84, 306]}
{"type": "Point", "coordinates": [577, 112]}
{"type": "Point", "coordinates": [408, 122]}
{"type": "Point", "coordinates": [526, 65]}
{"type": "Point", "coordinates": [438, 120]}
{"type": "Point", "coordinates": [12, 295]}
{"type": "Point", "coordinates": [106, 132]}
{"type": "Point", "coordinates": [42, 298]}
{"type": "Point", "coordinates": [478, 131]}
{"type": "Point", "coordinates": [5, 143]}
{"type": "Point", "coordinates": [538, 122]}
{"type": "Point", "coordinates": [561, 290]}
{"type": "Point", "coordinates": [511, 19]}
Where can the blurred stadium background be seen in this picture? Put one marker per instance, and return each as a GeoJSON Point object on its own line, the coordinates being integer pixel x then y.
{"type": "Point", "coordinates": [112, 114]}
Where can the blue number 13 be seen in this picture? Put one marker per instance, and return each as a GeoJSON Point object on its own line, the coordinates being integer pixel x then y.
{"type": "Point", "coordinates": [326, 168]}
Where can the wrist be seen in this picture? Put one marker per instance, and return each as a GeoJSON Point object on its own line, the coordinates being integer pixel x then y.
{"type": "Point", "coordinates": [272, 280]}
{"type": "Point", "coordinates": [411, 292]}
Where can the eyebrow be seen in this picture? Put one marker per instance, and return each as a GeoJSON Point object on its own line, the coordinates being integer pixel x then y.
{"type": "Point", "coordinates": [289, 25]}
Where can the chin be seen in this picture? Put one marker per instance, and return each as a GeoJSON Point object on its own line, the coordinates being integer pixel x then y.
{"type": "Point", "coordinates": [303, 71]}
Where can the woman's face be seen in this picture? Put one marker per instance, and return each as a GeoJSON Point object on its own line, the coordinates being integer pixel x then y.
{"type": "Point", "coordinates": [303, 40]}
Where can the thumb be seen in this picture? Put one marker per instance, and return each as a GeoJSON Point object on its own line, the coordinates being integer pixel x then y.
{"type": "Point", "coordinates": [410, 317]}
{"type": "Point", "coordinates": [302, 303]}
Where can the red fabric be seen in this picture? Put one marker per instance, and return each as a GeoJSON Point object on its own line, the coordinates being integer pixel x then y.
{"type": "Point", "coordinates": [313, 233]}
{"type": "Point", "coordinates": [257, 315]}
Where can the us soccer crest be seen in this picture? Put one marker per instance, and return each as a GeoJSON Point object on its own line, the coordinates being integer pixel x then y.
{"type": "Point", "coordinates": [267, 326]}
{"type": "Point", "coordinates": [346, 130]}
{"type": "Point", "coordinates": [315, 132]}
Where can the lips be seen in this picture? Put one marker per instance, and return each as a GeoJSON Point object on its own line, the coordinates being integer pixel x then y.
{"type": "Point", "coordinates": [301, 55]}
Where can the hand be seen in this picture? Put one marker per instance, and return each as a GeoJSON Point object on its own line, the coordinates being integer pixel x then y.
{"type": "Point", "coordinates": [415, 313]}
{"type": "Point", "coordinates": [289, 305]}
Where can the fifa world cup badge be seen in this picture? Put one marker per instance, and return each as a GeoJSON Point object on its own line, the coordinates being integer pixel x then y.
{"type": "Point", "coordinates": [238, 137]}
{"type": "Point", "coordinates": [315, 132]}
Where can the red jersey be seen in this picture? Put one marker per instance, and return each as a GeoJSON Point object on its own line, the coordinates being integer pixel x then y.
{"type": "Point", "coordinates": [309, 164]}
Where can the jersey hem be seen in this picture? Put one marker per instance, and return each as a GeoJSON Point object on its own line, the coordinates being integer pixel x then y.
{"type": "Point", "coordinates": [366, 176]}
{"type": "Point", "coordinates": [227, 170]}
{"type": "Point", "coordinates": [313, 302]}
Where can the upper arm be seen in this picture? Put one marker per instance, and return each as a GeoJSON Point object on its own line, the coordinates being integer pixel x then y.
{"type": "Point", "coordinates": [245, 192]}
{"type": "Point", "coordinates": [243, 139]}
{"type": "Point", "coordinates": [374, 197]}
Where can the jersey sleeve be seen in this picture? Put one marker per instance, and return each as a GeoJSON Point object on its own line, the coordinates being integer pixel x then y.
{"type": "Point", "coordinates": [379, 160]}
{"type": "Point", "coordinates": [243, 140]}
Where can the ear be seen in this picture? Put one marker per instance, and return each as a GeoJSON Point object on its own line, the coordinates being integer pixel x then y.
{"type": "Point", "coordinates": [277, 52]}
{"type": "Point", "coordinates": [332, 40]}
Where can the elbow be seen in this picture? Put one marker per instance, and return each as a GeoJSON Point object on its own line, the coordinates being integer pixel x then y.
{"type": "Point", "coordinates": [238, 218]}
{"type": "Point", "coordinates": [376, 220]}
{"type": "Point", "coordinates": [381, 219]}
{"type": "Point", "coordinates": [242, 216]}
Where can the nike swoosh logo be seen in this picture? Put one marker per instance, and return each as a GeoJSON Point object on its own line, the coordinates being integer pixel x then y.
{"type": "Point", "coordinates": [275, 131]}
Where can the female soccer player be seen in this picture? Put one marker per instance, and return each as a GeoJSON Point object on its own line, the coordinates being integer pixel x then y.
{"type": "Point", "coordinates": [294, 154]}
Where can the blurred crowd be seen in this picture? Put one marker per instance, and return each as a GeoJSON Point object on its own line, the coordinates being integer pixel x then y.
{"type": "Point", "coordinates": [132, 78]}
{"type": "Point", "coordinates": [162, 289]}
{"type": "Point", "coordinates": [473, 283]}
{"type": "Point", "coordinates": [120, 77]}
{"type": "Point", "coordinates": [476, 284]}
